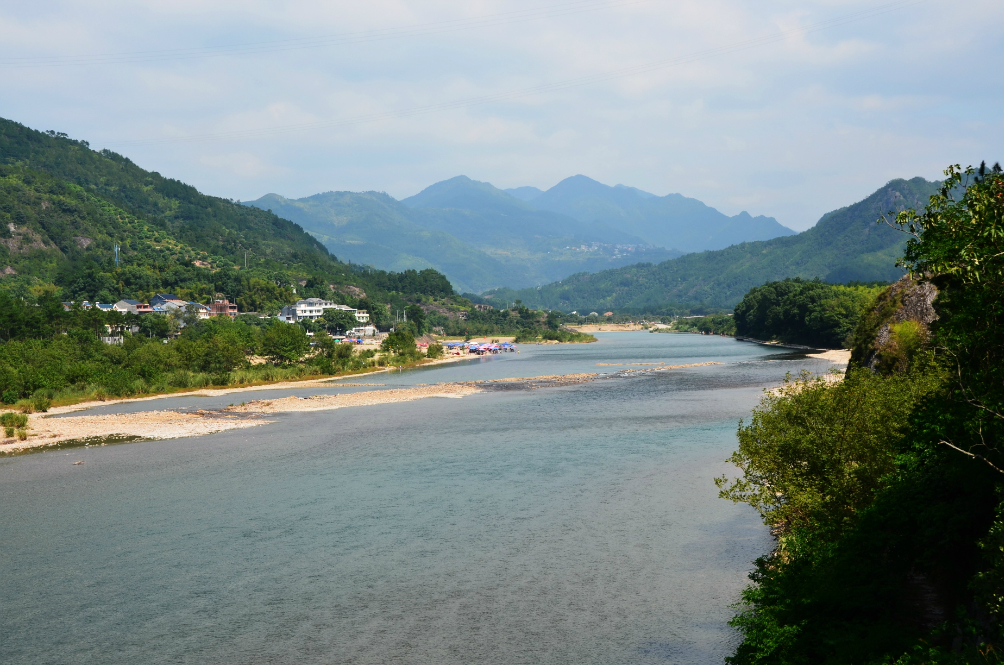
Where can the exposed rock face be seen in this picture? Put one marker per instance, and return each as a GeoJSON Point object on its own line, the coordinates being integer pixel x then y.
{"type": "Point", "coordinates": [897, 326]}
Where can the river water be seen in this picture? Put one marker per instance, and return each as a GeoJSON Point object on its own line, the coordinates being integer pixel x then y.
{"type": "Point", "coordinates": [562, 525]}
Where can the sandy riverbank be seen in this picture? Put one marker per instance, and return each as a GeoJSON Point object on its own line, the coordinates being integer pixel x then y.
{"type": "Point", "coordinates": [607, 327]}
{"type": "Point", "coordinates": [44, 431]}
{"type": "Point", "coordinates": [838, 357]}
{"type": "Point", "coordinates": [367, 398]}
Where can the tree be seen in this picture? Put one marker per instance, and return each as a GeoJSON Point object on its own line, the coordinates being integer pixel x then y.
{"type": "Point", "coordinates": [416, 315]}
{"type": "Point", "coordinates": [339, 320]}
{"type": "Point", "coordinates": [401, 342]}
{"type": "Point", "coordinates": [284, 343]}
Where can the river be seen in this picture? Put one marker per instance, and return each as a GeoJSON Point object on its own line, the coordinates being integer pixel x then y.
{"type": "Point", "coordinates": [563, 525]}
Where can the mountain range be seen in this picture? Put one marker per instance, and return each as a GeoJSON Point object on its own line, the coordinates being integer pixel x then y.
{"type": "Point", "coordinates": [482, 237]}
{"type": "Point", "coordinates": [845, 245]}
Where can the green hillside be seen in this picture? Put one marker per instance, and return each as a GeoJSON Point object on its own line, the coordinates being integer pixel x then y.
{"type": "Point", "coordinates": [845, 245]}
{"type": "Point", "coordinates": [371, 228]}
{"type": "Point", "coordinates": [63, 208]}
{"type": "Point", "coordinates": [220, 227]}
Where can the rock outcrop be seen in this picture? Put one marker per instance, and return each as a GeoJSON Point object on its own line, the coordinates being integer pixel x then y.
{"type": "Point", "coordinates": [897, 326]}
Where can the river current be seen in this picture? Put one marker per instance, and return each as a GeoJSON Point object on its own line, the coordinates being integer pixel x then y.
{"type": "Point", "coordinates": [562, 525]}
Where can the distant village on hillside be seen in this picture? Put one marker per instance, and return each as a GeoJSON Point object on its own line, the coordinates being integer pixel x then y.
{"type": "Point", "coordinates": [308, 309]}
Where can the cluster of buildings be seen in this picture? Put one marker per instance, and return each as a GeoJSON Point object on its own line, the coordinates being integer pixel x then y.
{"type": "Point", "coordinates": [312, 309]}
{"type": "Point", "coordinates": [162, 303]}
{"type": "Point", "coordinates": [308, 309]}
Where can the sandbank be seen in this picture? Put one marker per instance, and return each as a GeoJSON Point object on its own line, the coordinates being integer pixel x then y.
{"type": "Point", "coordinates": [837, 356]}
{"type": "Point", "coordinates": [607, 327]}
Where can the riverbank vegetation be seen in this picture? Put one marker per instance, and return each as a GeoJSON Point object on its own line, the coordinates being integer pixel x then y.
{"type": "Point", "coordinates": [885, 491]}
{"type": "Point", "coordinates": [807, 312]}
{"type": "Point", "coordinates": [713, 324]}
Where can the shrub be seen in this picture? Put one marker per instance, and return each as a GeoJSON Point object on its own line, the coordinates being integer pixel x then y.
{"type": "Point", "coordinates": [22, 434]}
{"type": "Point", "coordinates": [9, 397]}
{"type": "Point", "coordinates": [435, 351]}
{"type": "Point", "coordinates": [41, 403]}
{"type": "Point", "coordinates": [8, 432]}
{"type": "Point", "coordinates": [816, 454]}
{"type": "Point", "coordinates": [13, 420]}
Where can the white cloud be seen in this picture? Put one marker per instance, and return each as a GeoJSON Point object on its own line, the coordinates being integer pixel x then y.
{"type": "Point", "coordinates": [791, 128]}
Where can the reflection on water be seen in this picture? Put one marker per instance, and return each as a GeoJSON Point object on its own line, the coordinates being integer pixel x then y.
{"type": "Point", "coordinates": [568, 525]}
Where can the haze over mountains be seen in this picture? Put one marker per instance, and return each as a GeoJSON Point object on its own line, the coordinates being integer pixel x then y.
{"type": "Point", "coordinates": [482, 237]}
{"type": "Point", "coordinates": [845, 245]}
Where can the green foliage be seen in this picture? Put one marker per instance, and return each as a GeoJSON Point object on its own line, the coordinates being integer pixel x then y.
{"type": "Point", "coordinates": [284, 343]}
{"type": "Point", "coordinates": [814, 454]}
{"type": "Point", "coordinates": [400, 342]}
{"type": "Point", "coordinates": [434, 351]}
{"type": "Point", "coordinates": [800, 312]}
{"type": "Point", "coordinates": [339, 320]}
{"type": "Point", "coordinates": [887, 488]}
{"type": "Point", "coordinates": [715, 324]}
{"type": "Point", "coordinates": [16, 420]}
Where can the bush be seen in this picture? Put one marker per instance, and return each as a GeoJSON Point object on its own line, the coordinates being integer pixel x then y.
{"type": "Point", "coordinates": [435, 351]}
{"type": "Point", "coordinates": [13, 420]}
{"type": "Point", "coordinates": [9, 397]}
{"type": "Point", "coordinates": [22, 434]}
{"type": "Point", "coordinates": [816, 454]}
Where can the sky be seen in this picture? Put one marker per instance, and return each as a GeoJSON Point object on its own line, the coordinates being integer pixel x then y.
{"type": "Point", "coordinates": [780, 108]}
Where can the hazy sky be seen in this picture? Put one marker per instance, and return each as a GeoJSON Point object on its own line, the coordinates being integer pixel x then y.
{"type": "Point", "coordinates": [781, 108]}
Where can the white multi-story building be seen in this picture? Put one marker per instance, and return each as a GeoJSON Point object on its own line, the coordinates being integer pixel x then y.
{"type": "Point", "coordinates": [313, 308]}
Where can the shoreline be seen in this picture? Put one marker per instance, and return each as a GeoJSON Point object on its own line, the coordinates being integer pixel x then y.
{"type": "Point", "coordinates": [47, 432]}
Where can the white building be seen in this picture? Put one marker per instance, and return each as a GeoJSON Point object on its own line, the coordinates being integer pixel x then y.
{"type": "Point", "coordinates": [313, 309]}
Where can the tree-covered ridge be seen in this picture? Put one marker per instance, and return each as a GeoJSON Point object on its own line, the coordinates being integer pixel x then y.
{"type": "Point", "coordinates": [845, 245]}
{"type": "Point", "coordinates": [222, 228]}
{"type": "Point", "coordinates": [63, 208]}
{"type": "Point", "coordinates": [885, 490]}
{"type": "Point", "coordinates": [46, 223]}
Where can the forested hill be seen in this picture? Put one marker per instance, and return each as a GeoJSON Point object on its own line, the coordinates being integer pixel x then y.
{"type": "Point", "coordinates": [217, 226]}
{"type": "Point", "coordinates": [64, 208]}
{"type": "Point", "coordinates": [845, 245]}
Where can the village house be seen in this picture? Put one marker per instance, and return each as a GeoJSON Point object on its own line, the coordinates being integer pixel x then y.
{"type": "Point", "coordinates": [133, 307]}
{"type": "Point", "coordinates": [167, 301]}
{"type": "Point", "coordinates": [223, 308]}
{"type": "Point", "coordinates": [203, 311]}
{"type": "Point", "coordinates": [313, 309]}
{"type": "Point", "coordinates": [363, 331]}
